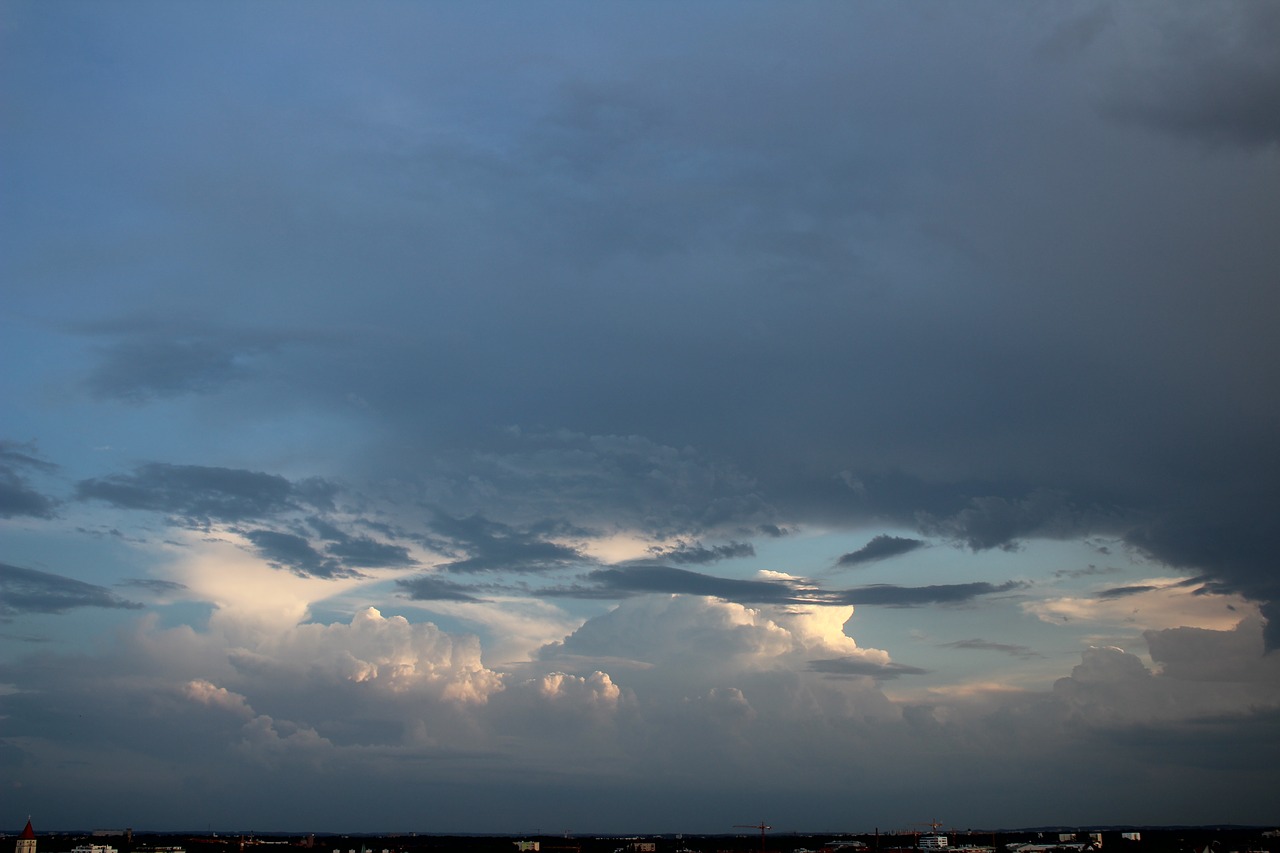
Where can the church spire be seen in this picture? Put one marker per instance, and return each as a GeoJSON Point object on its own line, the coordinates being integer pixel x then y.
{"type": "Point", "coordinates": [27, 840]}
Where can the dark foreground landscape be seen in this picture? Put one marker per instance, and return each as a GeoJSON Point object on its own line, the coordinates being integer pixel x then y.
{"type": "Point", "coordinates": [1200, 839]}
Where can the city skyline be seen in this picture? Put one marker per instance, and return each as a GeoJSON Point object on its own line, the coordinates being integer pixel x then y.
{"type": "Point", "coordinates": [476, 418]}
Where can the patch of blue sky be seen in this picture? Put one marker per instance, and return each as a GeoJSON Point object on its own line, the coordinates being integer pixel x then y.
{"type": "Point", "coordinates": [98, 554]}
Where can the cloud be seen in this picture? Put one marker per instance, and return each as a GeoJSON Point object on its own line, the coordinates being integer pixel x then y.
{"type": "Point", "coordinates": [770, 588]}
{"type": "Point", "coordinates": [286, 550]}
{"type": "Point", "coordinates": [154, 585]}
{"type": "Point", "coordinates": [389, 655]}
{"type": "Point", "coordinates": [1088, 571]}
{"type": "Point", "coordinates": [1012, 649]}
{"type": "Point", "coordinates": [1232, 543]}
{"type": "Point", "coordinates": [17, 497]}
{"type": "Point", "coordinates": [494, 546]}
{"type": "Point", "coordinates": [526, 475]}
{"type": "Point", "coordinates": [724, 688]}
{"type": "Point", "coordinates": [879, 548]}
{"type": "Point", "coordinates": [1205, 73]}
{"type": "Point", "coordinates": [1206, 677]}
{"type": "Point", "coordinates": [666, 648]}
{"type": "Point", "coordinates": [1207, 655]}
{"type": "Point", "coordinates": [998, 522]}
{"type": "Point", "coordinates": [915, 596]}
{"type": "Point", "coordinates": [1035, 304]}
{"type": "Point", "coordinates": [597, 689]}
{"type": "Point", "coordinates": [32, 591]}
{"type": "Point", "coordinates": [434, 588]}
{"type": "Point", "coordinates": [342, 556]}
{"type": "Point", "coordinates": [228, 570]}
{"type": "Point", "coordinates": [147, 359]}
{"type": "Point", "coordinates": [142, 370]}
{"type": "Point", "coordinates": [1154, 603]}
{"type": "Point", "coordinates": [1122, 591]}
{"type": "Point", "coordinates": [370, 554]}
{"type": "Point", "coordinates": [201, 493]}
{"type": "Point", "coordinates": [642, 580]}
{"type": "Point", "coordinates": [1076, 34]}
{"type": "Point", "coordinates": [859, 666]}
{"type": "Point", "coordinates": [686, 553]}
{"type": "Point", "coordinates": [208, 693]}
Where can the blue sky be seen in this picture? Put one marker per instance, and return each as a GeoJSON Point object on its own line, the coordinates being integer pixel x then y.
{"type": "Point", "coordinates": [643, 417]}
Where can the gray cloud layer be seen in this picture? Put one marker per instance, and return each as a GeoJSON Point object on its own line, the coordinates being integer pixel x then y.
{"type": "Point", "coordinates": [31, 591]}
{"type": "Point", "coordinates": [641, 580]}
{"type": "Point", "coordinates": [17, 496]}
{"type": "Point", "coordinates": [203, 493]}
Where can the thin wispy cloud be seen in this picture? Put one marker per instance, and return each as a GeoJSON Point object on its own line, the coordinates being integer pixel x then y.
{"type": "Point", "coordinates": [882, 547]}
{"type": "Point", "coordinates": [31, 591]}
{"type": "Point", "coordinates": [983, 645]}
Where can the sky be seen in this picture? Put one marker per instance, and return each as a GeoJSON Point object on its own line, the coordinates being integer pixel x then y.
{"type": "Point", "coordinates": [639, 417]}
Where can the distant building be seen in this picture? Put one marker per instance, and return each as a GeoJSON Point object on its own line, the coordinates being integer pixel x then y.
{"type": "Point", "coordinates": [94, 848]}
{"type": "Point", "coordinates": [27, 840]}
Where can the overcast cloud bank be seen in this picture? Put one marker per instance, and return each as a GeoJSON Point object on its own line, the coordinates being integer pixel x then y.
{"type": "Point", "coordinates": [435, 420]}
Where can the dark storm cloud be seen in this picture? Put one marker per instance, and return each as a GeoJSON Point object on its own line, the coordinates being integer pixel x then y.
{"type": "Point", "coordinates": [880, 548]}
{"type": "Point", "coordinates": [598, 480]}
{"type": "Point", "coordinates": [361, 551]}
{"type": "Point", "coordinates": [149, 360]}
{"type": "Point", "coordinates": [285, 550]}
{"type": "Point", "coordinates": [343, 560]}
{"type": "Point", "coordinates": [492, 546]}
{"type": "Point", "coordinates": [31, 591]}
{"type": "Point", "coordinates": [435, 588]}
{"type": "Point", "coordinates": [1231, 545]}
{"type": "Point", "coordinates": [327, 530]}
{"type": "Point", "coordinates": [857, 666]}
{"type": "Point", "coordinates": [370, 554]}
{"type": "Point", "coordinates": [1212, 74]}
{"type": "Point", "coordinates": [201, 493]}
{"type": "Point", "coordinates": [697, 554]}
{"type": "Point", "coordinates": [916, 596]}
{"type": "Point", "coordinates": [1012, 649]}
{"type": "Point", "coordinates": [16, 454]}
{"type": "Point", "coordinates": [138, 371]}
{"type": "Point", "coordinates": [773, 266]}
{"type": "Point", "coordinates": [17, 497]}
{"type": "Point", "coordinates": [998, 522]}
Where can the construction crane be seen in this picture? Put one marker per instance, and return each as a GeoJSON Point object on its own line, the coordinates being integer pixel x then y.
{"type": "Point", "coordinates": [934, 839]}
{"type": "Point", "coordinates": [762, 826]}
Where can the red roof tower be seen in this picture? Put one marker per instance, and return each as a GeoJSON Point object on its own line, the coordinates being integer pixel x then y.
{"type": "Point", "coordinates": [27, 840]}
